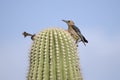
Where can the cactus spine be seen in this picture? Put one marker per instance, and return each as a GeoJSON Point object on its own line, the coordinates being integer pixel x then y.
{"type": "Point", "coordinates": [54, 56]}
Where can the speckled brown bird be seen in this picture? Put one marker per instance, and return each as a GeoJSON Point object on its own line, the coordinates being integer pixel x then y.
{"type": "Point", "coordinates": [75, 32]}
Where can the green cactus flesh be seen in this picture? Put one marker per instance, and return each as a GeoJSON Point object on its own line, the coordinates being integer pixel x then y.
{"type": "Point", "coordinates": [54, 56]}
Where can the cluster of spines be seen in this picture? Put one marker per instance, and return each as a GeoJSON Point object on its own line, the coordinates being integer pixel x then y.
{"type": "Point", "coordinates": [54, 56]}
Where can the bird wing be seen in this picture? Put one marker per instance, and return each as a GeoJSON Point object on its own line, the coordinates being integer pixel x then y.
{"type": "Point", "coordinates": [85, 39]}
{"type": "Point", "coordinates": [77, 30]}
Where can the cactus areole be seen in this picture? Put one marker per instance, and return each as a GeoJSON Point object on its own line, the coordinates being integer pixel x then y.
{"type": "Point", "coordinates": [54, 56]}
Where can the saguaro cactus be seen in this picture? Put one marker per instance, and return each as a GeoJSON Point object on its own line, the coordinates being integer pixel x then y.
{"type": "Point", "coordinates": [54, 56]}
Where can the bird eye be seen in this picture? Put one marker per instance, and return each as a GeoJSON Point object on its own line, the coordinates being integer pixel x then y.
{"type": "Point", "coordinates": [69, 21]}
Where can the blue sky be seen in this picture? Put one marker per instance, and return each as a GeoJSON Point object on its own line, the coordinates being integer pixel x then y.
{"type": "Point", "coordinates": [98, 20]}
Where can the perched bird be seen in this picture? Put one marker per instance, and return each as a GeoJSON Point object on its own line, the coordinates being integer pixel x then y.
{"type": "Point", "coordinates": [75, 32]}
{"type": "Point", "coordinates": [28, 34]}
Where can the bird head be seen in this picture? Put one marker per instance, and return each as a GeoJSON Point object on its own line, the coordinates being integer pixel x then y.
{"type": "Point", "coordinates": [69, 22]}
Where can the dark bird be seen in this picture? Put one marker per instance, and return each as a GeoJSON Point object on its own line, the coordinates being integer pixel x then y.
{"type": "Point", "coordinates": [75, 32]}
{"type": "Point", "coordinates": [28, 34]}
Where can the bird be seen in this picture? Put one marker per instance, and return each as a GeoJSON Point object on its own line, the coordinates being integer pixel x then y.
{"type": "Point", "coordinates": [25, 34]}
{"type": "Point", "coordinates": [75, 32]}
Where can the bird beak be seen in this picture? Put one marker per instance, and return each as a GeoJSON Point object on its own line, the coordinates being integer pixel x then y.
{"type": "Point", "coordinates": [65, 21]}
